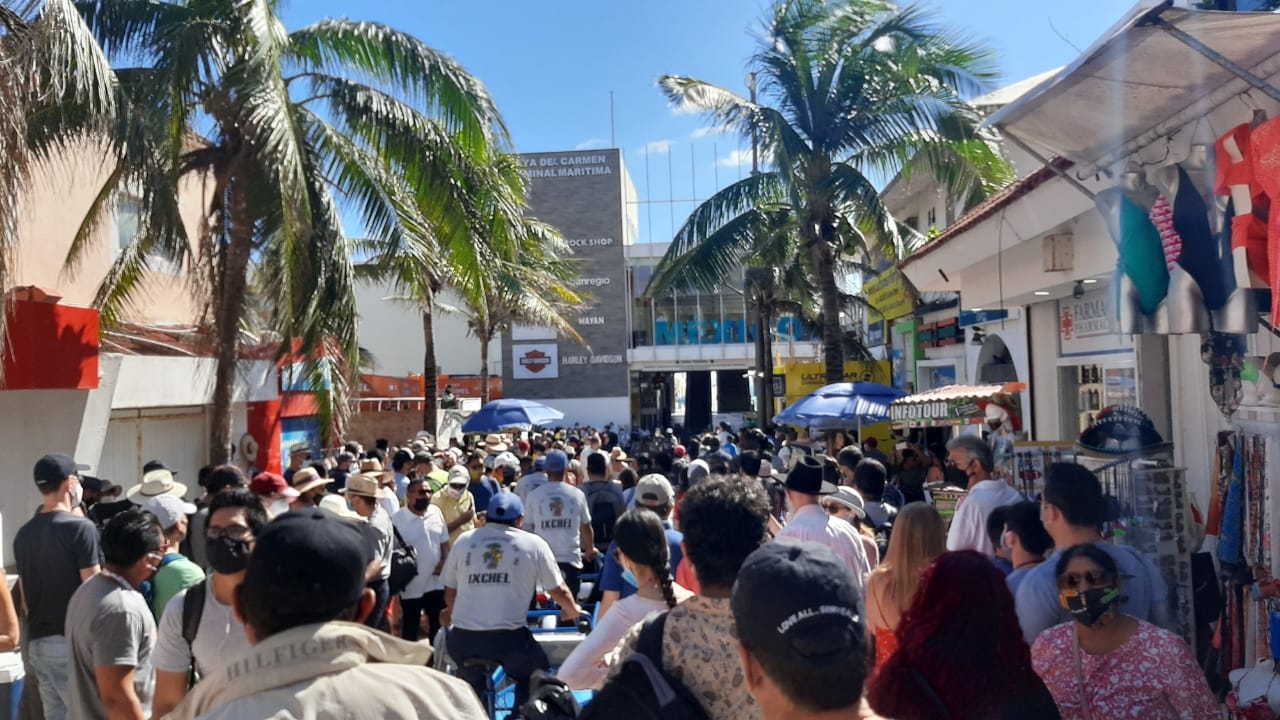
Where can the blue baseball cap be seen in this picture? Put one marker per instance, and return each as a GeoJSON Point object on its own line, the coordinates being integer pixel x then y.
{"type": "Point", "coordinates": [505, 507]}
{"type": "Point", "coordinates": [557, 461]}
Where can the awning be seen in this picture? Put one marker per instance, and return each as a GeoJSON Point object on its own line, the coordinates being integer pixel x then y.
{"type": "Point", "coordinates": [1155, 72]}
{"type": "Point", "coordinates": [955, 404]}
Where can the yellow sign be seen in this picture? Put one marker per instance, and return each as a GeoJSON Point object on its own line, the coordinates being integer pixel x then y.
{"type": "Point", "coordinates": [890, 294]}
{"type": "Point", "coordinates": [804, 378]}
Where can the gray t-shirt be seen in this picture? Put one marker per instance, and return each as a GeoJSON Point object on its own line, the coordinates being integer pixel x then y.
{"type": "Point", "coordinates": [529, 483]}
{"type": "Point", "coordinates": [219, 639]}
{"type": "Point", "coordinates": [50, 551]}
{"type": "Point", "coordinates": [108, 624]}
{"type": "Point", "coordinates": [496, 569]}
{"type": "Point", "coordinates": [556, 512]}
{"type": "Point", "coordinates": [378, 531]}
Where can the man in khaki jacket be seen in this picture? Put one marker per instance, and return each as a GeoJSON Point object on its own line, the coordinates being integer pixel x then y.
{"type": "Point", "coordinates": [302, 601]}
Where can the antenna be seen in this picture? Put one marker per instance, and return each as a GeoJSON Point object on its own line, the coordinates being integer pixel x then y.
{"type": "Point", "coordinates": [613, 135]}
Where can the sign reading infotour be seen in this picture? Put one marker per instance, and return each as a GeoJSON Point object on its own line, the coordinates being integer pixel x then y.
{"type": "Point", "coordinates": [584, 195]}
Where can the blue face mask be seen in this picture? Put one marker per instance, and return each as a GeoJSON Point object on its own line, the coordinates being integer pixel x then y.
{"type": "Point", "coordinates": [630, 578]}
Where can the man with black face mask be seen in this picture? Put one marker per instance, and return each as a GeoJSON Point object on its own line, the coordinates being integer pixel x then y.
{"type": "Point", "coordinates": [302, 600]}
{"type": "Point", "coordinates": [236, 517]}
{"type": "Point", "coordinates": [421, 526]}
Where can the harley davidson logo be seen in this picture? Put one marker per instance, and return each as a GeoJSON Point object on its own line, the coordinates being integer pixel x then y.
{"type": "Point", "coordinates": [535, 361]}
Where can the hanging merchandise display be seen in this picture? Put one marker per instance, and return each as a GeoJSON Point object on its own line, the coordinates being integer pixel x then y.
{"type": "Point", "coordinates": [1241, 515]}
{"type": "Point", "coordinates": [1224, 354]}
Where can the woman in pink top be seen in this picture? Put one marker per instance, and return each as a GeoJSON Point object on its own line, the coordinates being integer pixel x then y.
{"type": "Point", "coordinates": [1106, 664]}
{"type": "Point", "coordinates": [918, 537]}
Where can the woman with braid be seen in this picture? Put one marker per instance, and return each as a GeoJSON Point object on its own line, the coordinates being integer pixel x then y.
{"type": "Point", "coordinates": [642, 551]}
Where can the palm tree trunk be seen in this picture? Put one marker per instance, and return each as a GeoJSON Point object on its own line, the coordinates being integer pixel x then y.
{"type": "Point", "coordinates": [230, 306]}
{"type": "Point", "coordinates": [485, 337]}
{"type": "Point", "coordinates": [832, 335]}
{"type": "Point", "coordinates": [430, 419]}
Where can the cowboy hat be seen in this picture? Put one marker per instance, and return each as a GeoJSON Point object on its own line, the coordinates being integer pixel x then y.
{"type": "Point", "coordinates": [154, 484]}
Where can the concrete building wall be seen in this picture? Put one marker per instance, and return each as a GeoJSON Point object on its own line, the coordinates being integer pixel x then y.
{"type": "Point", "coordinates": [391, 329]}
{"type": "Point", "coordinates": [55, 206]}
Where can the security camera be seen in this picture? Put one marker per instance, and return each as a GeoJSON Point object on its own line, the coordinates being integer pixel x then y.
{"type": "Point", "coordinates": [1077, 292]}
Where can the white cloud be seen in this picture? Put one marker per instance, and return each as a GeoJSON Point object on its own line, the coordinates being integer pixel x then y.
{"type": "Point", "coordinates": [590, 144]}
{"type": "Point", "coordinates": [743, 158]}
{"type": "Point", "coordinates": [659, 147]}
{"type": "Point", "coordinates": [707, 131]}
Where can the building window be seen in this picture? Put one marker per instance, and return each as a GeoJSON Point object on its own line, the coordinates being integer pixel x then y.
{"type": "Point", "coordinates": [128, 211]}
{"type": "Point", "coordinates": [933, 217]}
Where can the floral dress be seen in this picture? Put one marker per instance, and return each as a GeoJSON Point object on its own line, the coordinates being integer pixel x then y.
{"type": "Point", "coordinates": [1151, 677]}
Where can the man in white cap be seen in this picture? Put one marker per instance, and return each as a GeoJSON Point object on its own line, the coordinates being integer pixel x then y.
{"type": "Point", "coordinates": [845, 503]}
{"type": "Point", "coordinates": [176, 572]}
{"type": "Point", "coordinates": [653, 492]}
{"type": "Point", "coordinates": [299, 455]}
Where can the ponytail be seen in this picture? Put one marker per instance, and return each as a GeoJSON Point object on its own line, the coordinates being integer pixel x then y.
{"type": "Point", "coordinates": [666, 582]}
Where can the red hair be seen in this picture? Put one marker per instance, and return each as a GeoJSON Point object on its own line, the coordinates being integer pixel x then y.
{"type": "Point", "coordinates": [961, 634]}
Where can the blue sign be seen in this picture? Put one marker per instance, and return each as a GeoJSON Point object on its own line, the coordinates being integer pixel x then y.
{"type": "Point", "coordinates": [875, 334]}
{"type": "Point", "coordinates": [969, 318]}
{"type": "Point", "coordinates": [726, 332]}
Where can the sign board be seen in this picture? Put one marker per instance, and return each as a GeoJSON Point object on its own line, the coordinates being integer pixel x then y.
{"type": "Point", "coordinates": [890, 294]}
{"type": "Point", "coordinates": [875, 333]}
{"type": "Point", "coordinates": [582, 194]}
{"type": "Point", "coordinates": [950, 411]}
{"type": "Point", "coordinates": [800, 379]}
{"type": "Point", "coordinates": [1089, 325]}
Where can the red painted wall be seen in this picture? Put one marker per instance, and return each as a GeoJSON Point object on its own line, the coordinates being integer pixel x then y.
{"type": "Point", "coordinates": [51, 347]}
{"type": "Point", "coordinates": [264, 424]}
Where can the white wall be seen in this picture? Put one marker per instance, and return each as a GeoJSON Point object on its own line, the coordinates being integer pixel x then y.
{"type": "Point", "coordinates": [152, 382]}
{"type": "Point", "coordinates": [33, 423]}
{"type": "Point", "coordinates": [392, 331]}
{"type": "Point", "coordinates": [1044, 386]}
{"type": "Point", "coordinates": [596, 412]}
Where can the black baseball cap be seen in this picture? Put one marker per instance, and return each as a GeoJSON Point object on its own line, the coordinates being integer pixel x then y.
{"type": "Point", "coordinates": [307, 562]}
{"type": "Point", "coordinates": [52, 469]}
{"type": "Point", "coordinates": [797, 602]}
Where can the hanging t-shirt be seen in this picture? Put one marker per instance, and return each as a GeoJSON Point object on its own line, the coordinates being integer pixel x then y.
{"type": "Point", "coordinates": [556, 512]}
{"type": "Point", "coordinates": [219, 639]}
{"type": "Point", "coordinates": [496, 569]}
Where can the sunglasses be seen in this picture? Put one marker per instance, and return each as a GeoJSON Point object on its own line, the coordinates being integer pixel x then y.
{"type": "Point", "coordinates": [832, 509]}
{"type": "Point", "coordinates": [235, 532]}
{"type": "Point", "coordinates": [1092, 578]}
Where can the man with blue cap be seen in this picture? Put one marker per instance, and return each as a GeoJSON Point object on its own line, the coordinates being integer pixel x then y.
{"type": "Point", "coordinates": [489, 577]}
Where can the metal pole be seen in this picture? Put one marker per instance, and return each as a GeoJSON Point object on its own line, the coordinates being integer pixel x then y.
{"type": "Point", "coordinates": [1051, 164]}
{"type": "Point", "coordinates": [1227, 63]}
{"type": "Point", "coordinates": [755, 138]}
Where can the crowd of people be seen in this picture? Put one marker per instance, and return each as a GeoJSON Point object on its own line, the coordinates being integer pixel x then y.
{"type": "Point", "coordinates": [767, 576]}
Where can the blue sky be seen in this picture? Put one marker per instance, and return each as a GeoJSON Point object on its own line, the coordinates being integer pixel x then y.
{"type": "Point", "coordinates": [551, 66]}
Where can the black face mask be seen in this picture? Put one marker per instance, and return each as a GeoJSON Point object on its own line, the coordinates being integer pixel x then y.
{"type": "Point", "coordinates": [1090, 606]}
{"type": "Point", "coordinates": [421, 504]}
{"type": "Point", "coordinates": [228, 556]}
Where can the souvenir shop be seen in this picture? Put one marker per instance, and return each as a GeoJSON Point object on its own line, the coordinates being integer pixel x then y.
{"type": "Point", "coordinates": [1183, 163]}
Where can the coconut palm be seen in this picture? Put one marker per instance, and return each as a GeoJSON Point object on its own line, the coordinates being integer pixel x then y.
{"type": "Point", "coordinates": [291, 125]}
{"type": "Point", "coordinates": [49, 57]}
{"type": "Point", "coordinates": [849, 91]}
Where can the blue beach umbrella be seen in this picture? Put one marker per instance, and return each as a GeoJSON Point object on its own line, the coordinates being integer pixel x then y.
{"type": "Point", "coordinates": [841, 405]}
{"type": "Point", "coordinates": [510, 414]}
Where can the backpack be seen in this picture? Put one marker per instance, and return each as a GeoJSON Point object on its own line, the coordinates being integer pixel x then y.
{"type": "Point", "coordinates": [601, 497]}
{"type": "Point", "coordinates": [404, 564]}
{"type": "Point", "coordinates": [192, 612]}
{"type": "Point", "coordinates": [885, 530]}
{"type": "Point", "coordinates": [642, 690]}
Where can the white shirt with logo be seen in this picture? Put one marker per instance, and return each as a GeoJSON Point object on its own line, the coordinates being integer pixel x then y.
{"type": "Point", "coordinates": [496, 569]}
{"type": "Point", "coordinates": [557, 511]}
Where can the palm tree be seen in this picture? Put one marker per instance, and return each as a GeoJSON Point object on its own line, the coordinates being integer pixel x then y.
{"type": "Point", "coordinates": [293, 123]}
{"type": "Point", "coordinates": [850, 91]}
{"type": "Point", "coordinates": [49, 58]}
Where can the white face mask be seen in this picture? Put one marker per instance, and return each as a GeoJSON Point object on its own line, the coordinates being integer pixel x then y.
{"type": "Point", "coordinates": [278, 507]}
{"type": "Point", "coordinates": [77, 493]}
{"type": "Point", "coordinates": [456, 492]}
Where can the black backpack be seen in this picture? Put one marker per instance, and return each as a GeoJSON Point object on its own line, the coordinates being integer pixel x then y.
{"type": "Point", "coordinates": [642, 690]}
{"type": "Point", "coordinates": [192, 611]}
{"type": "Point", "coordinates": [404, 564]}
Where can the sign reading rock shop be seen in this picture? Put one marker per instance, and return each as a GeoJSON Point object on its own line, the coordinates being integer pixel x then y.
{"type": "Point", "coordinates": [582, 195]}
